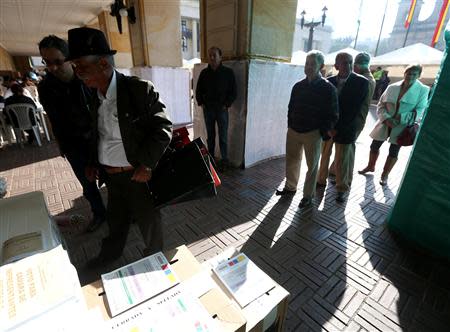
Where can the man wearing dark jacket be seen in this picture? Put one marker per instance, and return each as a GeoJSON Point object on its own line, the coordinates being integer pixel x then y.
{"type": "Point", "coordinates": [64, 98]}
{"type": "Point", "coordinates": [312, 112]}
{"type": "Point", "coordinates": [131, 133]}
{"type": "Point", "coordinates": [216, 91]}
{"type": "Point", "coordinates": [352, 91]}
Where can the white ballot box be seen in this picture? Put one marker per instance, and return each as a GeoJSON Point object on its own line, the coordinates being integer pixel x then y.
{"type": "Point", "coordinates": [262, 301]}
{"type": "Point", "coordinates": [200, 296]}
{"type": "Point", "coordinates": [25, 227]}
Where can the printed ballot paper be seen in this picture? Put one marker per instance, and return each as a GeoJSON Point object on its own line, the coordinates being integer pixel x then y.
{"type": "Point", "coordinates": [174, 310]}
{"type": "Point", "coordinates": [40, 290]}
{"type": "Point", "coordinates": [245, 281]}
{"type": "Point", "coordinates": [137, 282]}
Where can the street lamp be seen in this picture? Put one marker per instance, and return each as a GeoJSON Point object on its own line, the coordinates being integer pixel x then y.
{"type": "Point", "coordinates": [311, 25]}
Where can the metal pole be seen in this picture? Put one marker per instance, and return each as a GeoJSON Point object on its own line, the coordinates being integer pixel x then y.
{"type": "Point", "coordinates": [381, 29]}
{"type": "Point", "coordinates": [357, 33]}
{"type": "Point", "coordinates": [311, 36]}
{"type": "Point", "coordinates": [407, 32]}
{"type": "Point", "coordinates": [359, 23]}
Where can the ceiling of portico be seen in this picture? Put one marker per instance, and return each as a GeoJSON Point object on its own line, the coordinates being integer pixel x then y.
{"type": "Point", "coordinates": [23, 23]}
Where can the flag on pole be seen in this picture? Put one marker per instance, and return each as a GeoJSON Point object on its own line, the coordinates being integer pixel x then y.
{"type": "Point", "coordinates": [440, 23]}
{"type": "Point", "coordinates": [410, 13]}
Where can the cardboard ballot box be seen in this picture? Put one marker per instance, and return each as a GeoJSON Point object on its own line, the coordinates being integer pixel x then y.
{"type": "Point", "coordinates": [220, 307]}
{"type": "Point", "coordinates": [266, 311]}
{"type": "Point", "coordinates": [26, 227]}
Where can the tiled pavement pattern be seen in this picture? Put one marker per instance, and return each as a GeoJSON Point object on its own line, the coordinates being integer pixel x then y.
{"type": "Point", "coordinates": [343, 268]}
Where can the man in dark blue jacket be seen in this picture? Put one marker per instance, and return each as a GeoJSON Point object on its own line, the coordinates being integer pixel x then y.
{"type": "Point", "coordinates": [352, 91]}
{"type": "Point", "coordinates": [312, 113]}
{"type": "Point", "coordinates": [216, 91]}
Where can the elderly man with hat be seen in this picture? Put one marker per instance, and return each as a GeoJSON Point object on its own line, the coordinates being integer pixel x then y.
{"type": "Point", "coordinates": [131, 133]}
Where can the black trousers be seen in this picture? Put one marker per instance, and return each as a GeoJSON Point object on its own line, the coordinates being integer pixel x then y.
{"type": "Point", "coordinates": [79, 160]}
{"type": "Point", "coordinates": [219, 114]}
{"type": "Point", "coordinates": [130, 201]}
{"type": "Point", "coordinates": [393, 148]}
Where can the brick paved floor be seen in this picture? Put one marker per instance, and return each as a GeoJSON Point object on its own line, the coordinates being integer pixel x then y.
{"type": "Point", "coordinates": [343, 268]}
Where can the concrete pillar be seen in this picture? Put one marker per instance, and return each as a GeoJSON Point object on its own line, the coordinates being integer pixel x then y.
{"type": "Point", "coordinates": [156, 50]}
{"type": "Point", "coordinates": [156, 36]}
{"type": "Point", "coordinates": [256, 40]}
{"type": "Point", "coordinates": [117, 41]}
{"type": "Point", "coordinates": [248, 28]}
{"type": "Point", "coordinates": [195, 38]}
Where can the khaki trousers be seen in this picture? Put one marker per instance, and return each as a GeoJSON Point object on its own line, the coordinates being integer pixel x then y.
{"type": "Point", "coordinates": [327, 148]}
{"type": "Point", "coordinates": [296, 143]}
{"type": "Point", "coordinates": [344, 161]}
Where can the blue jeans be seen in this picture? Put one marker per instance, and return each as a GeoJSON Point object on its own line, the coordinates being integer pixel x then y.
{"type": "Point", "coordinates": [78, 161]}
{"type": "Point", "coordinates": [219, 114]}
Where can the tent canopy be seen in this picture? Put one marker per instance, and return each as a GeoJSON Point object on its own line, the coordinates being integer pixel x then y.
{"type": "Point", "coordinates": [331, 57]}
{"type": "Point", "coordinates": [416, 53]}
{"type": "Point", "coordinates": [298, 58]}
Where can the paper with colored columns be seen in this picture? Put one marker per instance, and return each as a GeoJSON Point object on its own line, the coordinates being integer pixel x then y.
{"type": "Point", "coordinates": [137, 282]}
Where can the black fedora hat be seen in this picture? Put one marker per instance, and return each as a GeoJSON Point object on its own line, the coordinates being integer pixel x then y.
{"type": "Point", "coordinates": [87, 41]}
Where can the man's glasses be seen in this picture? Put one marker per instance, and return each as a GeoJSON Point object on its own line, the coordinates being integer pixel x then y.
{"type": "Point", "coordinates": [57, 62]}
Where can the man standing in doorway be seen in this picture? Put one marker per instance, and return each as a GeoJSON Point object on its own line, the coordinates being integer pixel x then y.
{"type": "Point", "coordinates": [216, 91]}
{"type": "Point", "coordinates": [64, 98]}
{"type": "Point", "coordinates": [312, 112]}
{"type": "Point", "coordinates": [131, 133]}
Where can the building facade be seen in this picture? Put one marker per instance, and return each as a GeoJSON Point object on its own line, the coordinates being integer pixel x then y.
{"type": "Point", "coordinates": [321, 40]}
{"type": "Point", "coordinates": [420, 31]}
{"type": "Point", "coordinates": [190, 29]}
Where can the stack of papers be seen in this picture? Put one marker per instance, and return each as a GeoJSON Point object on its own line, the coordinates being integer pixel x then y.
{"type": "Point", "coordinates": [41, 291]}
{"type": "Point", "coordinates": [243, 279]}
{"type": "Point", "coordinates": [174, 310]}
{"type": "Point", "coordinates": [136, 282]}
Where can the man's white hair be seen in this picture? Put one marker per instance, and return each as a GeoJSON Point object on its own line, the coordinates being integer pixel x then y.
{"type": "Point", "coordinates": [320, 58]}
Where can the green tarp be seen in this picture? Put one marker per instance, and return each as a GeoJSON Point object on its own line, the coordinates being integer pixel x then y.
{"type": "Point", "coordinates": [421, 212]}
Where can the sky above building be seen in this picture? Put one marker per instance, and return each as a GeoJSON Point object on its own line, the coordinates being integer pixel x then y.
{"type": "Point", "coordinates": [343, 15]}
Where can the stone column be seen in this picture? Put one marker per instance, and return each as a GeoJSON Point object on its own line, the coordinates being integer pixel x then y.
{"type": "Point", "coordinates": [117, 41]}
{"type": "Point", "coordinates": [156, 48]}
{"type": "Point", "coordinates": [256, 39]}
{"type": "Point", "coordinates": [156, 36]}
{"type": "Point", "coordinates": [194, 39]}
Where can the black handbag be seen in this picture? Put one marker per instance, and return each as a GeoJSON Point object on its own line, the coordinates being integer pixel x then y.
{"type": "Point", "coordinates": [182, 175]}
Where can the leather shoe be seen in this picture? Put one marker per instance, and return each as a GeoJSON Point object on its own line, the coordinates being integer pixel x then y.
{"type": "Point", "coordinates": [285, 192]}
{"type": "Point", "coordinates": [340, 197]}
{"type": "Point", "coordinates": [305, 202]}
{"type": "Point", "coordinates": [95, 224]}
